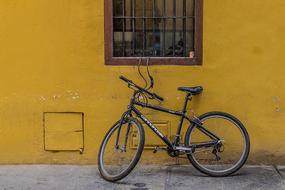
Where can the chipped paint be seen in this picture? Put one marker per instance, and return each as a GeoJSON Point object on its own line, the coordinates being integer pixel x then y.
{"type": "Point", "coordinates": [277, 102]}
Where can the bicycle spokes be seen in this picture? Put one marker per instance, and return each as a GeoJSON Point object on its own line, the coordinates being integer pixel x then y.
{"type": "Point", "coordinates": [224, 154]}
{"type": "Point", "coordinates": [117, 153]}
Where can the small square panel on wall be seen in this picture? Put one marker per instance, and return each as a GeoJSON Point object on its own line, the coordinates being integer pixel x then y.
{"type": "Point", "coordinates": [151, 139]}
{"type": "Point", "coordinates": [63, 131]}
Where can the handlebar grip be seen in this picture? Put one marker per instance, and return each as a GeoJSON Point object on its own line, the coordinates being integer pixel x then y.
{"type": "Point", "coordinates": [124, 79]}
{"type": "Point", "coordinates": [140, 88]}
{"type": "Point", "coordinates": [158, 97]}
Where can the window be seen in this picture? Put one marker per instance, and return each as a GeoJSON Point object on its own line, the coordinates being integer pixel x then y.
{"type": "Point", "coordinates": [168, 31]}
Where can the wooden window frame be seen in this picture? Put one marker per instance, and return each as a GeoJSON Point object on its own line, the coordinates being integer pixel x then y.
{"type": "Point", "coordinates": [121, 61]}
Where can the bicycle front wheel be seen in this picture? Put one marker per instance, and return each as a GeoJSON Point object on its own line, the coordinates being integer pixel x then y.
{"type": "Point", "coordinates": [121, 150]}
{"type": "Point", "coordinates": [225, 157]}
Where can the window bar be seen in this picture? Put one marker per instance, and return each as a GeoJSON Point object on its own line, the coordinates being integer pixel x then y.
{"type": "Point", "coordinates": [124, 27]}
{"type": "Point", "coordinates": [153, 27]}
{"type": "Point", "coordinates": [164, 27]}
{"type": "Point", "coordinates": [184, 28]}
{"type": "Point", "coordinates": [144, 28]}
{"type": "Point", "coordinates": [194, 26]}
{"type": "Point", "coordinates": [113, 20]}
{"type": "Point", "coordinates": [174, 27]}
{"type": "Point", "coordinates": [133, 27]}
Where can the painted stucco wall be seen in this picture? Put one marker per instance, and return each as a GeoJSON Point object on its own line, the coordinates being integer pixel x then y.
{"type": "Point", "coordinates": [52, 60]}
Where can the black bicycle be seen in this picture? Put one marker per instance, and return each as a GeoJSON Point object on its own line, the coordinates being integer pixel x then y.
{"type": "Point", "coordinates": [216, 143]}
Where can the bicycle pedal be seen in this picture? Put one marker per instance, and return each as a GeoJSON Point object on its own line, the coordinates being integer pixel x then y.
{"type": "Point", "coordinates": [157, 148]}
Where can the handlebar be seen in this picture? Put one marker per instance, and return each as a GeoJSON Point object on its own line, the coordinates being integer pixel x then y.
{"type": "Point", "coordinates": [153, 95]}
{"type": "Point", "coordinates": [157, 97]}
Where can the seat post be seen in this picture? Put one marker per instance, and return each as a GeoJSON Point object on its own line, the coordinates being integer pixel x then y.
{"type": "Point", "coordinates": [186, 102]}
{"type": "Point", "coordinates": [177, 136]}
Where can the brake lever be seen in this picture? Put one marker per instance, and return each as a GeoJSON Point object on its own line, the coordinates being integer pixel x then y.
{"type": "Point", "coordinates": [131, 87]}
{"type": "Point", "coordinates": [150, 97]}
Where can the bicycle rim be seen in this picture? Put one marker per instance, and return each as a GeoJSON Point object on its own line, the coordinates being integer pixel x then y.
{"type": "Point", "coordinates": [233, 151]}
{"type": "Point", "coordinates": [116, 160]}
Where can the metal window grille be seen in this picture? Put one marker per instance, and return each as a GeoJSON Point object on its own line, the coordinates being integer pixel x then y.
{"type": "Point", "coordinates": [153, 28]}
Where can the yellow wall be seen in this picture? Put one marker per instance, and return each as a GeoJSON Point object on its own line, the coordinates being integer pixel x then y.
{"type": "Point", "coordinates": [52, 60]}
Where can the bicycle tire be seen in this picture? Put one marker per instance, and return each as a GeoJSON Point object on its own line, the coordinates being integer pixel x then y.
{"type": "Point", "coordinates": [241, 161]}
{"type": "Point", "coordinates": [121, 175]}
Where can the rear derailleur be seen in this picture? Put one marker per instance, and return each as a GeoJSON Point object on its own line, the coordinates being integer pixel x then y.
{"type": "Point", "coordinates": [218, 148]}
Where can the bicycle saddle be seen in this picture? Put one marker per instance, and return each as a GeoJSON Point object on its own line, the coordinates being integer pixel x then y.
{"type": "Point", "coordinates": [193, 90]}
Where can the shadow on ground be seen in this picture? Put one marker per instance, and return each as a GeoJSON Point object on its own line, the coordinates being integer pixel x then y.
{"type": "Point", "coordinates": [47, 177]}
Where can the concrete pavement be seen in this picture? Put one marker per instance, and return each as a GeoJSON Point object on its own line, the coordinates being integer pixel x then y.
{"type": "Point", "coordinates": [70, 177]}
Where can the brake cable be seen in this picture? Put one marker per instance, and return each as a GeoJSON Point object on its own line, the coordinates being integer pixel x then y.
{"type": "Point", "coordinates": [144, 96]}
{"type": "Point", "coordinates": [139, 70]}
{"type": "Point", "coordinates": [149, 75]}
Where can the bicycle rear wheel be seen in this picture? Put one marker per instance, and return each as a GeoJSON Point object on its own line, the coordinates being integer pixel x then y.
{"type": "Point", "coordinates": [121, 150]}
{"type": "Point", "coordinates": [225, 157]}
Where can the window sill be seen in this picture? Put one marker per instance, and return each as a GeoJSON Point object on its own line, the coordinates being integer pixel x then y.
{"type": "Point", "coordinates": [131, 61]}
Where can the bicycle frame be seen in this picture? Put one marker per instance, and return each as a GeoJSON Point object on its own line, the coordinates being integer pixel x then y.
{"type": "Point", "coordinates": [175, 145]}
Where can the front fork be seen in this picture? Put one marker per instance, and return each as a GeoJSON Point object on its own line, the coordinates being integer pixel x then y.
{"type": "Point", "coordinates": [122, 121]}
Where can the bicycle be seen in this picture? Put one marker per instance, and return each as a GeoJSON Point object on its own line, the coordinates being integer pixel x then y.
{"type": "Point", "coordinates": [206, 139]}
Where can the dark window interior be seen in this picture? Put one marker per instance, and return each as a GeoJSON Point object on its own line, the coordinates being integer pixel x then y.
{"type": "Point", "coordinates": [153, 28]}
